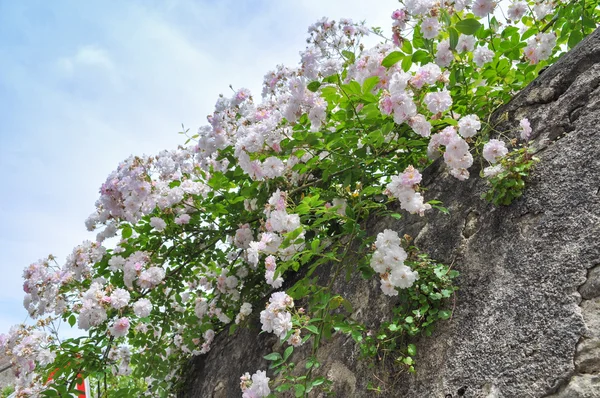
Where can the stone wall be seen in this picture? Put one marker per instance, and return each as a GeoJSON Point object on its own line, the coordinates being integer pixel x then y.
{"type": "Point", "coordinates": [527, 315]}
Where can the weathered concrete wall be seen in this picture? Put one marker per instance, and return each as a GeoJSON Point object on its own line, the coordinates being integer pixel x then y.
{"type": "Point", "coordinates": [527, 317]}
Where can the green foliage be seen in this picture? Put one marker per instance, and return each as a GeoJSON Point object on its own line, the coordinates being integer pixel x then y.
{"type": "Point", "coordinates": [468, 26]}
{"type": "Point", "coordinates": [417, 311]}
{"type": "Point", "coordinates": [510, 182]}
{"type": "Point", "coordinates": [393, 58]}
{"type": "Point", "coordinates": [6, 391]}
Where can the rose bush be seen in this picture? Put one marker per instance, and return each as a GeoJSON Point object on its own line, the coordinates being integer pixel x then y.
{"type": "Point", "coordinates": [286, 185]}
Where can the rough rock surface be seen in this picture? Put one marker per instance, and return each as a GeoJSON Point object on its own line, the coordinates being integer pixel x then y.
{"type": "Point", "coordinates": [527, 316]}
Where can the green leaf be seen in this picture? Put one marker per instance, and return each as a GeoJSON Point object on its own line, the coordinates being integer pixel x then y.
{"type": "Point", "coordinates": [444, 314]}
{"type": "Point", "coordinates": [386, 128]}
{"type": "Point", "coordinates": [407, 47]}
{"type": "Point", "coordinates": [421, 57]}
{"type": "Point", "coordinates": [314, 245]}
{"type": "Point", "coordinates": [436, 296]}
{"type": "Point", "coordinates": [335, 302]}
{"type": "Point", "coordinates": [406, 63]}
{"type": "Point", "coordinates": [349, 56]}
{"type": "Point", "coordinates": [529, 32]}
{"type": "Point", "coordinates": [588, 22]}
{"type": "Point", "coordinates": [50, 393]}
{"type": "Point", "coordinates": [299, 390]}
{"type": "Point", "coordinates": [468, 26]}
{"type": "Point", "coordinates": [291, 236]}
{"type": "Point", "coordinates": [327, 332]}
{"type": "Point", "coordinates": [354, 87]}
{"type": "Point", "coordinates": [274, 356]}
{"type": "Point", "coordinates": [283, 387]}
{"type": "Point", "coordinates": [342, 327]}
{"type": "Point", "coordinates": [445, 17]}
{"type": "Point", "coordinates": [312, 329]}
{"type": "Point", "coordinates": [318, 381]}
{"type": "Point", "coordinates": [350, 212]}
{"type": "Point", "coordinates": [440, 271]}
{"type": "Point", "coordinates": [392, 59]}
{"type": "Point", "coordinates": [313, 86]}
{"type": "Point", "coordinates": [370, 83]}
{"type": "Point", "coordinates": [574, 38]}
{"type": "Point", "coordinates": [494, 24]}
{"type": "Point", "coordinates": [441, 209]}
{"type": "Point", "coordinates": [409, 319]}
{"type": "Point", "coordinates": [418, 40]}
{"type": "Point", "coordinates": [412, 350]}
{"type": "Point", "coordinates": [302, 208]}
{"type": "Point", "coordinates": [288, 351]}
{"type": "Point", "coordinates": [127, 232]}
{"type": "Point", "coordinates": [453, 38]}
{"type": "Point", "coordinates": [347, 306]}
{"type": "Point", "coordinates": [72, 320]}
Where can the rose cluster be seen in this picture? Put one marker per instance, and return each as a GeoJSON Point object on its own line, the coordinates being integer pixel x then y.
{"type": "Point", "coordinates": [388, 260]}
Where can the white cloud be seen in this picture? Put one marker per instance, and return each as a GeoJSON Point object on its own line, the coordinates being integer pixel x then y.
{"type": "Point", "coordinates": [87, 56]}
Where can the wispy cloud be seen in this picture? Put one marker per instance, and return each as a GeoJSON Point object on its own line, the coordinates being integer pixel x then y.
{"type": "Point", "coordinates": [88, 56]}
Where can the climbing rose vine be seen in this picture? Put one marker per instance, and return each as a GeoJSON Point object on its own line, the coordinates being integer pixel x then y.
{"type": "Point", "coordinates": [201, 234]}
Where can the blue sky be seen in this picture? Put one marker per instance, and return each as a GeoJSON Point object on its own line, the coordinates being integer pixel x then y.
{"type": "Point", "coordinates": [85, 84]}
